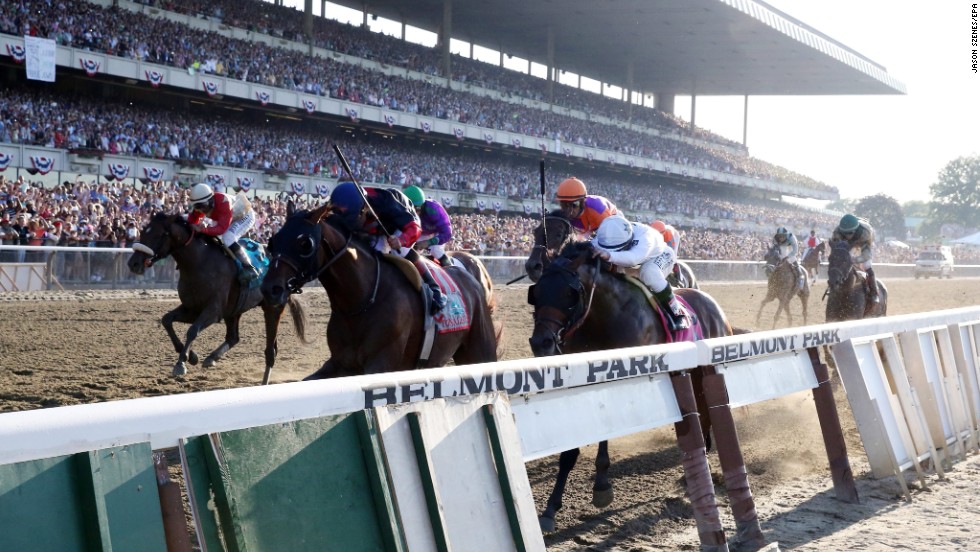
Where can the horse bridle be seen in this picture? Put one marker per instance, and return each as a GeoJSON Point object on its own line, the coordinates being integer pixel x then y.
{"type": "Point", "coordinates": [313, 272]}
{"type": "Point", "coordinates": [576, 314]}
{"type": "Point", "coordinates": [168, 236]}
{"type": "Point", "coordinates": [544, 246]}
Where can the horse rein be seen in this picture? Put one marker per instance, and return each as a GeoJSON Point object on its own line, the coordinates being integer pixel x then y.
{"type": "Point", "coordinates": [567, 328]}
{"type": "Point", "coordinates": [153, 255]}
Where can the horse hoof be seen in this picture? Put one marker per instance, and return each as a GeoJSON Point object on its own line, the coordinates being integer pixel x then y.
{"type": "Point", "coordinates": [601, 499]}
{"type": "Point", "coordinates": [192, 358]}
{"type": "Point", "coordinates": [209, 362]}
{"type": "Point", "coordinates": [547, 524]}
{"type": "Point", "coordinates": [179, 369]}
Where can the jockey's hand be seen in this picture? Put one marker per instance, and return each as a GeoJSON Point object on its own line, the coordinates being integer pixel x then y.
{"type": "Point", "coordinates": [394, 242]}
{"type": "Point", "coordinates": [604, 255]}
{"type": "Point", "coordinates": [199, 226]}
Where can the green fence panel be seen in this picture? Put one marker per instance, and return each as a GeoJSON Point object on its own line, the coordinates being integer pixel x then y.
{"type": "Point", "coordinates": [100, 500]}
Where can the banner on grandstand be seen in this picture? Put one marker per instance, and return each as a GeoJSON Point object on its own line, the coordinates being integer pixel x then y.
{"type": "Point", "coordinates": [590, 156]}
{"type": "Point", "coordinates": [298, 187]}
{"type": "Point", "coordinates": [323, 190]}
{"type": "Point", "coordinates": [42, 164]}
{"type": "Point", "coordinates": [631, 162]}
{"type": "Point", "coordinates": [488, 136]}
{"type": "Point", "coordinates": [527, 209]}
{"type": "Point", "coordinates": [459, 133]}
{"type": "Point", "coordinates": [352, 113]}
{"type": "Point", "coordinates": [543, 146]}
{"type": "Point", "coordinates": [668, 167]}
{"type": "Point", "coordinates": [497, 205]}
{"type": "Point", "coordinates": [611, 158]}
{"type": "Point", "coordinates": [481, 205]}
{"type": "Point", "coordinates": [154, 77]}
{"type": "Point", "coordinates": [447, 201]}
{"type": "Point", "coordinates": [245, 183]}
{"type": "Point", "coordinates": [215, 179]}
{"type": "Point", "coordinates": [153, 174]}
{"type": "Point", "coordinates": [90, 66]}
{"type": "Point", "coordinates": [309, 105]}
{"type": "Point", "coordinates": [210, 87]}
{"type": "Point", "coordinates": [40, 54]}
{"type": "Point", "coordinates": [426, 126]}
{"type": "Point", "coordinates": [263, 97]}
{"type": "Point", "coordinates": [390, 119]}
{"type": "Point", "coordinates": [118, 171]}
{"type": "Point", "coordinates": [516, 142]}
{"type": "Point", "coordinates": [567, 151]}
{"type": "Point", "coordinates": [17, 52]}
{"type": "Point", "coordinates": [5, 161]}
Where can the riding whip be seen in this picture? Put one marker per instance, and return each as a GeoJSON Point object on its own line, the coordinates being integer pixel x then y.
{"type": "Point", "coordinates": [544, 227]}
{"type": "Point", "coordinates": [350, 173]}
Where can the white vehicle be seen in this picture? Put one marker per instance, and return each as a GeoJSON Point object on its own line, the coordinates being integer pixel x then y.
{"type": "Point", "coordinates": [934, 261]}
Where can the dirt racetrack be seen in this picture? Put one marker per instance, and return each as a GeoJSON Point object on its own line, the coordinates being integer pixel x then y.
{"type": "Point", "coordinates": [77, 347]}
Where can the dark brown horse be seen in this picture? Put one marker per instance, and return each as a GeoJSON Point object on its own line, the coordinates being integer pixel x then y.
{"type": "Point", "coordinates": [560, 233]}
{"type": "Point", "coordinates": [783, 286]}
{"type": "Point", "coordinates": [209, 291]}
{"type": "Point", "coordinates": [811, 260]}
{"type": "Point", "coordinates": [579, 307]}
{"type": "Point", "coordinates": [847, 290]}
{"type": "Point", "coordinates": [377, 322]}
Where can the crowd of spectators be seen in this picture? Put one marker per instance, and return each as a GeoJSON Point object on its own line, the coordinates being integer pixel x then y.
{"type": "Point", "coordinates": [120, 32]}
{"type": "Point", "coordinates": [86, 213]}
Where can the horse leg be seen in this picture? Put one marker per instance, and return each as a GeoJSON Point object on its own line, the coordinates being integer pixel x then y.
{"type": "Point", "coordinates": [566, 461]}
{"type": "Point", "coordinates": [232, 337]}
{"type": "Point", "coordinates": [325, 371]}
{"type": "Point", "coordinates": [602, 491]}
{"type": "Point", "coordinates": [765, 302]}
{"type": "Point", "coordinates": [273, 315]}
{"type": "Point", "coordinates": [805, 299]}
{"type": "Point", "coordinates": [202, 322]}
{"type": "Point", "coordinates": [184, 316]}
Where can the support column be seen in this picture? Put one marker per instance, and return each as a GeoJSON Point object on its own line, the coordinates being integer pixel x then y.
{"type": "Point", "coordinates": [447, 32]}
{"type": "Point", "coordinates": [694, 110]}
{"type": "Point", "coordinates": [664, 102]}
{"type": "Point", "coordinates": [308, 23]}
{"type": "Point", "coordinates": [552, 71]}
{"type": "Point", "coordinates": [745, 123]}
{"type": "Point", "coordinates": [364, 16]}
{"type": "Point", "coordinates": [629, 91]}
{"type": "Point", "coordinates": [833, 436]}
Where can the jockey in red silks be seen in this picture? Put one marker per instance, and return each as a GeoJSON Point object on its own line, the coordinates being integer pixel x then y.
{"type": "Point", "coordinates": [396, 214]}
{"type": "Point", "coordinates": [586, 212]}
{"type": "Point", "coordinates": [226, 216]}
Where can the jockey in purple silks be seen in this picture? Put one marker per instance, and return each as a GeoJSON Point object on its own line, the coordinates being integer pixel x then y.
{"type": "Point", "coordinates": [437, 229]}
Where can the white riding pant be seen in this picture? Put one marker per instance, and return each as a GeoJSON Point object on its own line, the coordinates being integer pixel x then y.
{"type": "Point", "coordinates": [238, 228]}
{"type": "Point", "coordinates": [654, 271]}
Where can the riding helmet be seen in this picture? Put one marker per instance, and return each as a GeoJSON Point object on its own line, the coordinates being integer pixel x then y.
{"type": "Point", "coordinates": [347, 197]}
{"type": "Point", "coordinates": [659, 225]}
{"type": "Point", "coordinates": [200, 193]}
{"type": "Point", "coordinates": [615, 233]}
{"type": "Point", "coordinates": [415, 194]}
{"type": "Point", "coordinates": [848, 223]}
{"type": "Point", "coordinates": [571, 189]}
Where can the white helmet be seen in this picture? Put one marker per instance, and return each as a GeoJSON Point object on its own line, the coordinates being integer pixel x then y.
{"type": "Point", "coordinates": [615, 233]}
{"type": "Point", "coordinates": [200, 193]}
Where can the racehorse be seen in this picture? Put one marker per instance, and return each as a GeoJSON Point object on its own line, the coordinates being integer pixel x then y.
{"type": "Point", "coordinates": [580, 307]}
{"type": "Point", "coordinates": [378, 315]}
{"type": "Point", "coordinates": [560, 233]}
{"type": "Point", "coordinates": [782, 285]}
{"type": "Point", "coordinates": [847, 290]}
{"type": "Point", "coordinates": [209, 291]}
{"type": "Point", "coordinates": [811, 261]}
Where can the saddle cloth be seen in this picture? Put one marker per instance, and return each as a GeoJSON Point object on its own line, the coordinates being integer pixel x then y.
{"type": "Point", "coordinates": [455, 317]}
{"type": "Point", "coordinates": [694, 333]}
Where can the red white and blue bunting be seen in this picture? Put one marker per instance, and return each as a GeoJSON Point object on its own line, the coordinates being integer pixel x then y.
{"type": "Point", "coordinates": [245, 182]}
{"type": "Point", "coordinates": [90, 66]}
{"type": "Point", "coordinates": [447, 201]}
{"type": "Point", "coordinates": [323, 190]}
{"type": "Point", "coordinates": [459, 132]}
{"type": "Point", "coordinates": [155, 78]}
{"type": "Point", "coordinates": [543, 146]}
{"type": "Point", "coordinates": [309, 105]}
{"type": "Point", "coordinates": [488, 136]}
{"type": "Point", "coordinates": [426, 126]}
{"type": "Point", "coordinates": [527, 209]}
{"type": "Point", "coordinates": [481, 205]}
{"type": "Point", "coordinates": [215, 179]}
{"type": "Point", "coordinates": [352, 113]}
{"type": "Point", "coordinates": [263, 97]}
{"type": "Point", "coordinates": [590, 156]}
{"type": "Point", "coordinates": [567, 151]}
{"type": "Point", "coordinates": [5, 161]}
{"type": "Point", "coordinates": [497, 205]}
{"type": "Point", "coordinates": [516, 142]}
{"type": "Point", "coordinates": [210, 87]}
{"type": "Point", "coordinates": [118, 171]}
{"type": "Point", "coordinates": [153, 174]}
{"type": "Point", "coordinates": [42, 164]}
{"type": "Point", "coordinates": [298, 187]}
{"type": "Point", "coordinates": [611, 158]}
{"type": "Point", "coordinates": [17, 52]}
{"type": "Point", "coordinates": [390, 119]}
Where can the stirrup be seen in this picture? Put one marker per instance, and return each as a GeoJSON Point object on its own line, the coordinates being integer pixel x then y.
{"type": "Point", "coordinates": [439, 299]}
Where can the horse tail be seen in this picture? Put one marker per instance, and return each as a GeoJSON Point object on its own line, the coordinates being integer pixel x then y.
{"type": "Point", "coordinates": [297, 311]}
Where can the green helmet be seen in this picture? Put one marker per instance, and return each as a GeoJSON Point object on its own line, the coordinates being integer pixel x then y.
{"type": "Point", "coordinates": [848, 223]}
{"type": "Point", "coordinates": [415, 194]}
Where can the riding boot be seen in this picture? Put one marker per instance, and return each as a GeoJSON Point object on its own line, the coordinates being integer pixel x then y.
{"type": "Point", "coordinates": [249, 272]}
{"type": "Point", "coordinates": [673, 309]}
{"type": "Point", "coordinates": [872, 286]}
{"type": "Point", "coordinates": [445, 261]}
{"type": "Point", "coordinates": [438, 299]}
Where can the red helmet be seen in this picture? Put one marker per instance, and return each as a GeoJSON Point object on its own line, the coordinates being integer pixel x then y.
{"type": "Point", "coordinates": [659, 225]}
{"type": "Point", "coordinates": [571, 189]}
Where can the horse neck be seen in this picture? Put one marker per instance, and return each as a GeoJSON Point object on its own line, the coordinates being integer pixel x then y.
{"type": "Point", "coordinates": [185, 246]}
{"type": "Point", "coordinates": [607, 326]}
{"type": "Point", "coordinates": [351, 279]}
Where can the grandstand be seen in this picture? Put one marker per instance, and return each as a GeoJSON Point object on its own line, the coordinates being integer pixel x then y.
{"type": "Point", "coordinates": [155, 95]}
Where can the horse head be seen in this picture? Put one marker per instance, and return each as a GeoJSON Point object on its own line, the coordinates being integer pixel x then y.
{"type": "Point", "coordinates": [161, 236]}
{"type": "Point", "coordinates": [295, 253]}
{"type": "Point", "coordinates": [559, 299]}
{"type": "Point", "coordinates": [839, 264]}
{"type": "Point", "coordinates": [771, 258]}
{"type": "Point", "coordinates": [550, 237]}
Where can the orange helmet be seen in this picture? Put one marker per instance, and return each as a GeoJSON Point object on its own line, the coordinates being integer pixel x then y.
{"type": "Point", "coordinates": [659, 225]}
{"type": "Point", "coordinates": [571, 189]}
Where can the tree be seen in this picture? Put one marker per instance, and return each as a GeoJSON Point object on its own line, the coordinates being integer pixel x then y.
{"type": "Point", "coordinates": [915, 208]}
{"type": "Point", "coordinates": [844, 205]}
{"type": "Point", "coordinates": [956, 193]}
{"type": "Point", "coordinates": [884, 213]}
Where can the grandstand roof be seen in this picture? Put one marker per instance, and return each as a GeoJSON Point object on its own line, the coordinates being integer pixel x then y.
{"type": "Point", "coordinates": [701, 47]}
